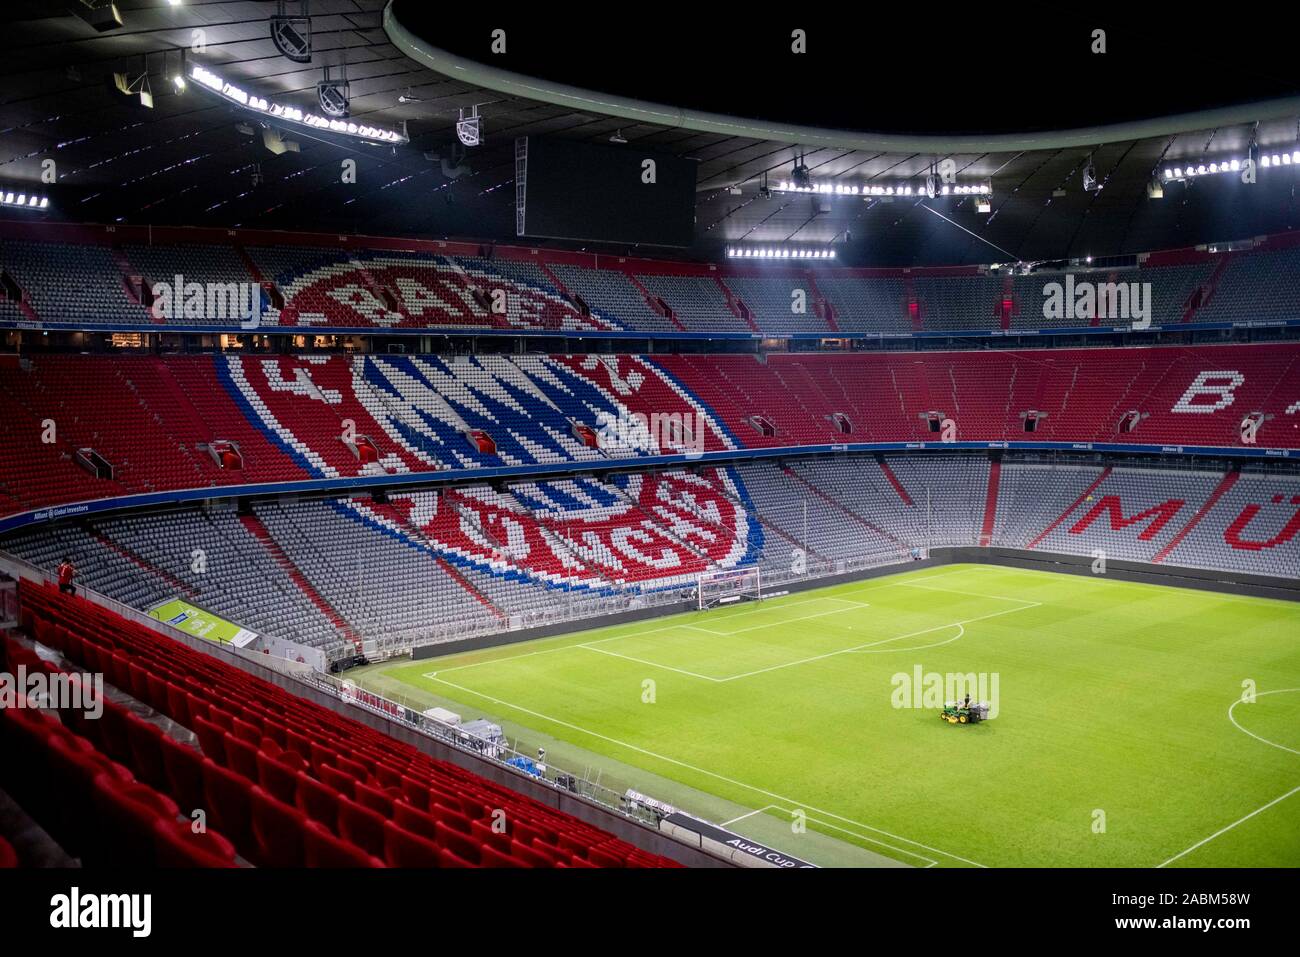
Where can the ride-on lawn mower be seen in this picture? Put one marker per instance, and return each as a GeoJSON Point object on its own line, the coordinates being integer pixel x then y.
{"type": "Point", "coordinates": [955, 713]}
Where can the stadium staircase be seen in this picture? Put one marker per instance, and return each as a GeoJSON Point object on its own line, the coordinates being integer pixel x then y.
{"type": "Point", "coordinates": [744, 315]}
{"type": "Point", "coordinates": [556, 281]}
{"type": "Point", "coordinates": [1229, 480]}
{"type": "Point", "coordinates": [822, 304]}
{"type": "Point", "coordinates": [771, 526]}
{"type": "Point", "coordinates": [990, 503]}
{"type": "Point", "coordinates": [893, 480]}
{"type": "Point", "coordinates": [135, 558]}
{"type": "Point", "coordinates": [1201, 296]}
{"type": "Point", "coordinates": [29, 313]}
{"type": "Point", "coordinates": [260, 532]}
{"type": "Point", "coordinates": [842, 508]}
{"type": "Point", "coordinates": [1084, 496]}
{"type": "Point", "coordinates": [652, 302]}
{"type": "Point", "coordinates": [269, 288]}
{"type": "Point", "coordinates": [449, 569]}
{"type": "Point", "coordinates": [913, 304]}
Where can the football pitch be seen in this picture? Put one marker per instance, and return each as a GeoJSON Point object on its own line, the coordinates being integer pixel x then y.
{"type": "Point", "coordinates": [1121, 736]}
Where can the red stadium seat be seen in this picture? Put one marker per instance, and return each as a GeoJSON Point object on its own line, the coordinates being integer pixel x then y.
{"type": "Point", "coordinates": [115, 737]}
{"type": "Point", "coordinates": [241, 757]}
{"type": "Point", "coordinates": [404, 849]}
{"type": "Point", "coordinates": [279, 831]}
{"type": "Point", "coordinates": [449, 858]}
{"type": "Point", "coordinates": [490, 857]}
{"type": "Point", "coordinates": [176, 845]}
{"type": "Point", "coordinates": [415, 821]}
{"type": "Point", "coordinates": [212, 740]}
{"type": "Point", "coordinates": [8, 856]}
{"type": "Point", "coordinates": [415, 792]}
{"type": "Point", "coordinates": [465, 847]}
{"type": "Point", "coordinates": [318, 801]}
{"type": "Point", "coordinates": [183, 767]}
{"type": "Point", "coordinates": [323, 849]}
{"type": "Point", "coordinates": [279, 780]}
{"type": "Point", "coordinates": [361, 826]}
{"type": "Point", "coordinates": [146, 751]}
{"type": "Point", "coordinates": [125, 822]}
{"type": "Point", "coordinates": [341, 781]}
{"type": "Point", "coordinates": [229, 807]}
{"type": "Point", "coordinates": [453, 819]}
{"type": "Point", "coordinates": [374, 798]}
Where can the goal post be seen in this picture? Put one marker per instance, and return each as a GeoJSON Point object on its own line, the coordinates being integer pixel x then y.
{"type": "Point", "coordinates": [724, 587]}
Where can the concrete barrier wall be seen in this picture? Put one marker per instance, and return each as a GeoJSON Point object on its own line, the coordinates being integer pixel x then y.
{"type": "Point", "coordinates": [1234, 583]}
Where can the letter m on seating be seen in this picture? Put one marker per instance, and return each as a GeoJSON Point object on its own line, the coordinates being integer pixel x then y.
{"type": "Point", "coordinates": [1156, 517]}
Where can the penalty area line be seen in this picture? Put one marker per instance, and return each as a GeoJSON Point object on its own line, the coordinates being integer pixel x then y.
{"type": "Point", "coordinates": [930, 862]}
{"type": "Point", "coordinates": [869, 644]}
{"type": "Point", "coordinates": [1225, 830]}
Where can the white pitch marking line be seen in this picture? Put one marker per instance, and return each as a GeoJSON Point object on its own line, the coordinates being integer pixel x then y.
{"type": "Point", "coordinates": [792, 604]}
{"type": "Point", "coordinates": [927, 578]}
{"type": "Point", "coordinates": [547, 651]}
{"type": "Point", "coordinates": [1225, 830]}
{"type": "Point", "coordinates": [707, 631]}
{"type": "Point", "coordinates": [862, 837]}
{"type": "Point", "coordinates": [764, 808]}
{"type": "Point", "coordinates": [591, 644]}
{"type": "Point", "coordinates": [489, 661]}
{"type": "Point", "coordinates": [843, 651]}
{"type": "Point", "coordinates": [650, 664]}
{"type": "Point", "coordinates": [1272, 744]}
{"type": "Point", "coordinates": [790, 621]}
{"type": "Point", "coordinates": [1260, 694]}
{"type": "Point", "coordinates": [871, 650]}
{"type": "Point", "coordinates": [706, 773]}
{"type": "Point", "coordinates": [886, 582]}
{"type": "Point", "coordinates": [770, 624]}
{"type": "Point", "coordinates": [954, 591]}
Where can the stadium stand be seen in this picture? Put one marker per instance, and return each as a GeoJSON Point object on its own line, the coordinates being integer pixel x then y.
{"type": "Point", "coordinates": [699, 302]}
{"type": "Point", "coordinates": [361, 287]}
{"type": "Point", "coordinates": [286, 782]}
{"type": "Point", "coordinates": [481, 559]}
{"type": "Point", "coordinates": [610, 293]}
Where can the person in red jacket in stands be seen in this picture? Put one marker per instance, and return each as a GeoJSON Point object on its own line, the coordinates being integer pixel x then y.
{"type": "Point", "coordinates": [66, 572]}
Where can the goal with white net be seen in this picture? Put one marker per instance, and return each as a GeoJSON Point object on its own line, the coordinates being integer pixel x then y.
{"type": "Point", "coordinates": [724, 587]}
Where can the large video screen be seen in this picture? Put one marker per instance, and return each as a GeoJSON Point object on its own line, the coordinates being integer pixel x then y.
{"type": "Point", "coordinates": [598, 193]}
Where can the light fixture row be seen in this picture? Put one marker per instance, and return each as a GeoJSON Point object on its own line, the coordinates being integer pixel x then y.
{"type": "Point", "coordinates": [16, 198]}
{"type": "Point", "coordinates": [260, 104]}
{"type": "Point", "coordinates": [1266, 161]}
{"type": "Point", "coordinates": [892, 189]}
{"type": "Point", "coordinates": [778, 252]}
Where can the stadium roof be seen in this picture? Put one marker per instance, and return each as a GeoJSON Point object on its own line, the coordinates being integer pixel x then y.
{"type": "Point", "coordinates": [1024, 111]}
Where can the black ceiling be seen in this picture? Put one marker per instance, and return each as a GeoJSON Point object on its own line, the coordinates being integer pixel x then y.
{"type": "Point", "coordinates": [186, 162]}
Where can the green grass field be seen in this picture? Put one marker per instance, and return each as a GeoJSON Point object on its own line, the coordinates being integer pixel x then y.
{"type": "Point", "coordinates": [1117, 741]}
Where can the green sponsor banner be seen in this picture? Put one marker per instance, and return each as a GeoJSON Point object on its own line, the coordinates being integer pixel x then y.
{"type": "Point", "coordinates": [199, 623]}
